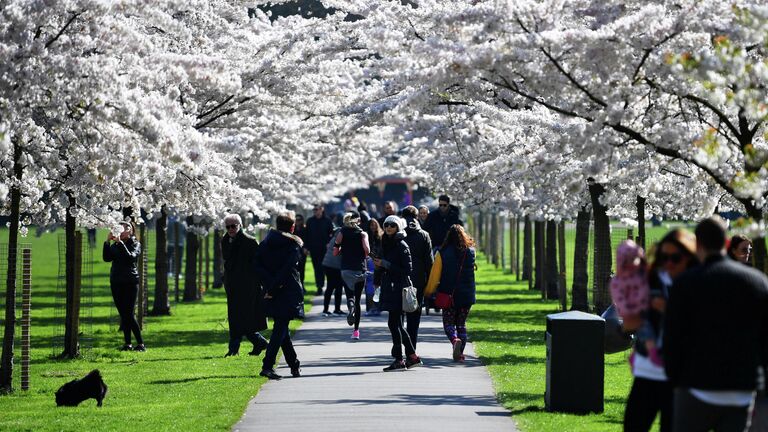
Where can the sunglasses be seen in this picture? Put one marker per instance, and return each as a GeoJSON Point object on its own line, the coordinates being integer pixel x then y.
{"type": "Point", "coordinates": [390, 225]}
{"type": "Point", "coordinates": [674, 258]}
{"type": "Point", "coordinates": [442, 205]}
{"type": "Point", "coordinates": [233, 226]}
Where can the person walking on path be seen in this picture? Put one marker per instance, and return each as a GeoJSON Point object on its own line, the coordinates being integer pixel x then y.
{"type": "Point", "coordinates": [124, 253]}
{"type": "Point", "coordinates": [453, 273]}
{"type": "Point", "coordinates": [301, 232]}
{"type": "Point", "coordinates": [277, 259]}
{"type": "Point", "coordinates": [394, 267]}
{"type": "Point", "coordinates": [651, 392]}
{"type": "Point", "coordinates": [390, 209]}
{"type": "Point", "coordinates": [715, 337]}
{"type": "Point", "coordinates": [440, 220]}
{"type": "Point", "coordinates": [351, 243]}
{"type": "Point", "coordinates": [421, 256]}
{"type": "Point", "coordinates": [319, 230]}
{"type": "Point", "coordinates": [332, 270]}
{"type": "Point", "coordinates": [375, 234]}
{"type": "Point", "coordinates": [245, 312]}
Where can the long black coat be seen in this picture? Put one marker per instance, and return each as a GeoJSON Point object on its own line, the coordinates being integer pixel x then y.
{"type": "Point", "coordinates": [277, 261]}
{"type": "Point", "coordinates": [245, 311]}
{"type": "Point", "coordinates": [123, 257]}
{"type": "Point", "coordinates": [437, 224]}
{"type": "Point", "coordinates": [396, 258]}
{"type": "Point", "coordinates": [421, 255]}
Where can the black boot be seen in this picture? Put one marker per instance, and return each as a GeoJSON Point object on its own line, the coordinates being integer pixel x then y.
{"type": "Point", "coordinates": [296, 369]}
{"type": "Point", "coordinates": [259, 346]}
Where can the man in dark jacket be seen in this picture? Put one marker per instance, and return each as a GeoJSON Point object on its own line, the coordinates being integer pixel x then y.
{"type": "Point", "coordinates": [421, 258]}
{"type": "Point", "coordinates": [277, 263]}
{"type": "Point", "coordinates": [390, 209]}
{"type": "Point", "coordinates": [441, 219]}
{"type": "Point", "coordinates": [318, 232]}
{"type": "Point", "coordinates": [715, 337]}
{"type": "Point", "coordinates": [244, 308]}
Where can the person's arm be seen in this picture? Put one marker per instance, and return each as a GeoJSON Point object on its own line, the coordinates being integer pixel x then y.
{"type": "Point", "coordinates": [284, 271]}
{"type": "Point", "coordinates": [434, 275]}
{"type": "Point", "coordinates": [404, 265]}
{"type": "Point", "coordinates": [429, 259]}
{"type": "Point", "coordinates": [106, 253]}
{"type": "Point", "coordinates": [366, 246]}
{"type": "Point", "coordinates": [337, 244]}
{"type": "Point", "coordinates": [674, 333]}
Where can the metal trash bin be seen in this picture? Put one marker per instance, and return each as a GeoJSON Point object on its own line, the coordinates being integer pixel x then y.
{"type": "Point", "coordinates": [575, 362]}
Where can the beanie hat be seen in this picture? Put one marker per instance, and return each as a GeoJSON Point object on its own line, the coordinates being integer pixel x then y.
{"type": "Point", "coordinates": [395, 220]}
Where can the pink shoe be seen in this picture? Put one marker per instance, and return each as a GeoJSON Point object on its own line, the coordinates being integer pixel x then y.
{"type": "Point", "coordinates": [356, 334]}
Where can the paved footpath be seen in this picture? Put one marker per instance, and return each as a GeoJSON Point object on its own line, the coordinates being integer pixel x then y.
{"type": "Point", "coordinates": [342, 386]}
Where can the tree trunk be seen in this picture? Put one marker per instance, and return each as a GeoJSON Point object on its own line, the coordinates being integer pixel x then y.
{"type": "Point", "coordinates": [512, 239]}
{"type": "Point", "coordinates": [580, 300]}
{"type": "Point", "coordinates": [161, 304]}
{"type": "Point", "coordinates": [541, 256]}
{"type": "Point", "coordinates": [493, 239]}
{"type": "Point", "coordinates": [190, 269]}
{"type": "Point", "coordinates": [551, 259]}
{"type": "Point", "coordinates": [561, 288]}
{"type": "Point", "coordinates": [218, 261]}
{"type": "Point", "coordinates": [176, 259]}
{"type": "Point", "coordinates": [6, 359]}
{"type": "Point", "coordinates": [603, 256]}
{"type": "Point", "coordinates": [527, 249]}
{"type": "Point", "coordinates": [640, 204]}
{"type": "Point", "coordinates": [72, 316]}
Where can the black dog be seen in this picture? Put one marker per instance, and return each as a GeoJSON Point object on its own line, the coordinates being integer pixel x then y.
{"type": "Point", "coordinates": [76, 391]}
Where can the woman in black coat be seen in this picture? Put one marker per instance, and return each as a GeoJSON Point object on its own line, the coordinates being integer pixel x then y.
{"type": "Point", "coordinates": [277, 261]}
{"type": "Point", "coordinates": [124, 253]}
{"type": "Point", "coordinates": [394, 266]}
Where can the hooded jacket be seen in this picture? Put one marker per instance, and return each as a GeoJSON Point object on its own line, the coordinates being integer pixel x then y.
{"type": "Point", "coordinates": [421, 254]}
{"type": "Point", "coordinates": [277, 261]}
{"type": "Point", "coordinates": [397, 266]}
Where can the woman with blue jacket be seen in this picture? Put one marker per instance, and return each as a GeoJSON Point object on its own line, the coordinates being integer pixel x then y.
{"type": "Point", "coordinates": [453, 273]}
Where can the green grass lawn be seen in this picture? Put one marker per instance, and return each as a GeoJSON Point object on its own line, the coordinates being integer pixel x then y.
{"type": "Point", "coordinates": [507, 326]}
{"type": "Point", "coordinates": [182, 382]}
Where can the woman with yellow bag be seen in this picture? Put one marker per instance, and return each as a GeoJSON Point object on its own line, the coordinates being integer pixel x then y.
{"type": "Point", "coordinates": [453, 276]}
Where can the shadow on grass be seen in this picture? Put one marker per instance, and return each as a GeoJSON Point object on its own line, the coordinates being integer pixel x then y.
{"type": "Point", "coordinates": [187, 380]}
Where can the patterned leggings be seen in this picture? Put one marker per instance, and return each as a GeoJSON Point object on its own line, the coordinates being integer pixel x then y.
{"type": "Point", "coordinates": [455, 324]}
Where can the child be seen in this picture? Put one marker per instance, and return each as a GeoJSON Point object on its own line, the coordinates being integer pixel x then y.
{"type": "Point", "coordinates": [631, 293]}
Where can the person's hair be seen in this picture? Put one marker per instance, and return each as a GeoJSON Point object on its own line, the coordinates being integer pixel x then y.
{"type": "Point", "coordinates": [362, 207]}
{"type": "Point", "coordinates": [233, 217]}
{"type": "Point", "coordinates": [377, 232]}
{"type": "Point", "coordinates": [445, 198]}
{"type": "Point", "coordinates": [424, 207]}
{"type": "Point", "coordinates": [710, 233]}
{"type": "Point", "coordinates": [299, 216]}
{"type": "Point", "coordinates": [285, 221]}
{"type": "Point", "coordinates": [458, 238]}
{"type": "Point", "coordinates": [683, 240]}
{"type": "Point", "coordinates": [393, 204]}
{"type": "Point", "coordinates": [410, 211]}
{"type": "Point", "coordinates": [736, 240]}
{"type": "Point", "coordinates": [351, 219]}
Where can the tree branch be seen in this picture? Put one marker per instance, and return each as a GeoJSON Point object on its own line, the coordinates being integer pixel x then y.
{"type": "Point", "coordinates": [63, 29]}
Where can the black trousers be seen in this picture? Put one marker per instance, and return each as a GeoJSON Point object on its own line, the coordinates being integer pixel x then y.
{"type": "Point", "coordinates": [413, 319]}
{"type": "Point", "coordinates": [400, 337]}
{"type": "Point", "coordinates": [280, 338]}
{"type": "Point", "coordinates": [646, 399]}
{"type": "Point", "coordinates": [334, 288]}
{"type": "Point", "coordinates": [353, 300]}
{"type": "Point", "coordinates": [317, 265]}
{"type": "Point", "coordinates": [124, 295]}
{"type": "Point", "coordinates": [693, 415]}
